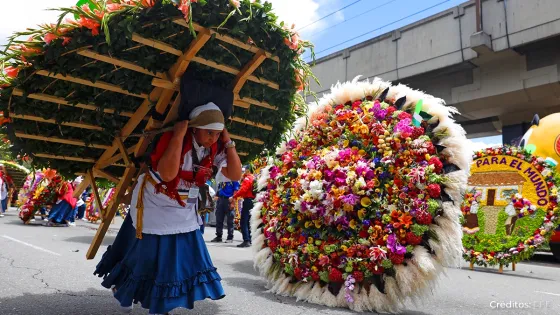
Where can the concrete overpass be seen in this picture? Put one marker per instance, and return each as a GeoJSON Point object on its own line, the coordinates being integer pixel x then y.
{"type": "Point", "coordinates": [497, 61]}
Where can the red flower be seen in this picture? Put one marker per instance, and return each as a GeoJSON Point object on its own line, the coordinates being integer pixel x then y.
{"type": "Point", "coordinates": [438, 166]}
{"type": "Point", "coordinates": [49, 37]}
{"type": "Point", "coordinates": [297, 273]}
{"type": "Point", "coordinates": [419, 131]}
{"type": "Point", "coordinates": [434, 190]}
{"type": "Point", "coordinates": [11, 72]}
{"type": "Point", "coordinates": [315, 276]}
{"type": "Point", "coordinates": [356, 104]}
{"type": "Point", "coordinates": [413, 239]}
{"type": "Point", "coordinates": [391, 110]}
{"type": "Point", "coordinates": [396, 259]}
{"type": "Point", "coordinates": [423, 217]}
{"type": "Point", "coordinates": [404, 115]}
{"type": "Point", "coordinates": [359, 276]}
{"type": "Point", "coordinates": [335, 276]}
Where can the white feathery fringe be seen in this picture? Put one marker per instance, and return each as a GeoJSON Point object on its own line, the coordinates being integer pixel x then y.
{"type": "Point", "coordinates": [285, 288]}
{"type": "Point", "coordinates": [255, 222]}
{"type": "Point", "coordinates": [451, 211]}
{"type": "Point", "coordinates": [277, 283]}
{"type": "Point", "coordinates": [258, 241]}
{"type": "Point", "coordinates": [380, 302]}
{"type": "Point", "coordinates": [456, 185]}
{"type": "Point", "coordinates": [423, 259]}
{"type": "Point", "coordinates": [328, 299]}
{"type": "Point", "coordinates": [260, 257]}
{"type": "Point", "coordinates": [316, 294]}
{"type": "Point", "coordinates": [361, 301]}
{"type": "Point", "coordinates": [263, 178]}
{"type": "Point", "coordinates": [457, 152]}
{"type": "Point", "coordinates": [393, 292]}
{"type": "Point", "coordinates": [412, 282]}
{"type": "Point", "coordinates": [341, 298]}
{"type": "Point", "coordinates": [438, 250]}
{"type": "Point", "coordinates": [303, 291]}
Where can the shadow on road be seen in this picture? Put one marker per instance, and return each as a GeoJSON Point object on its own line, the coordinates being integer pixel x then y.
{"type": "Point", "coordinates": [245, 266]}
{"type": "Point", "coordinates": [90, 302]}
{"type": "Point", "coordinates": [507, 273]}
{"type": "Point", "coordinates": [86, 239]}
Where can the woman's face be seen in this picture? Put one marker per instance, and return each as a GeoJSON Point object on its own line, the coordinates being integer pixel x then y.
{"type": "Point", "coordinates": [206, 138]}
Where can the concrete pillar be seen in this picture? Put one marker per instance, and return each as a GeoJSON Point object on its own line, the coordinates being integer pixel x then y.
{"type": "Point", "coordinates": [512, 134]}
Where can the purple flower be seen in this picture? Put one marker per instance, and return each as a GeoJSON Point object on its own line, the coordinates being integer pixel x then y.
{"type": "Point", "coordinates": [292, 144]}
{"type": "Point", "coordinates": [369, 175]}
{"type": "Point", "coordinates": [329, 175]}
{"type": "Point", "coordinates": [274, 171]}
{"type": "Point", "coordinates": [351, 199]}
{"type": "Point", "coordinates": [366, 223]}
{"type": "Point", "coordinates": [394, 246]}
{"type": "Point", "coordinates": [380, 114]}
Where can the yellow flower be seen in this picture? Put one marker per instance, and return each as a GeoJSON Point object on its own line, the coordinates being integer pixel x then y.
{"type": "Point", "coordinates": [347, 207]}
{"type": "Point", "coordinates": [310, 240]}
{"type": "Point", "coordinates": [308, 224]}
{"type": "Point", "coordinates": [339, 227]}
{"type": "Point", "coordinates": [365, 202]}
{"type": "Point", "coordinates": [344, 248]}
{"type": "Point", "coordinates": [362, 153]}
{"type": "Point", "coordinates": [345, 143]}
{"type": "Point", "coordinates": [364, 129]}
{"type": "Point", "coordinates": [317, 223]}
{"type": "Point", "coordinates": [315, 269]}
{"type": "Point", "coordinates": [361, 214]}
{"type": "Point", "coordinates": [353, 224]}
{"type": "Point", "coordinates": [300, 217]}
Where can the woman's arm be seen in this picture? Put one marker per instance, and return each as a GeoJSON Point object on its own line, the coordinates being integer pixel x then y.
{"type": "Point", "coordinates": [233, 168]}
{"type": "Point", "coordinates": [168, 165]}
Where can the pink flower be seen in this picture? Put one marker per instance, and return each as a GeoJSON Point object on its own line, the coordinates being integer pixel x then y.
{"type": "Point", "coordinates": [324, 260]}
{"type": "Point", "coordinates": [235, 3]}
{"type": "Point", "coordinates": [112, 7]}
{"type": "Point", "coordinates": [292, 41]}
{"type": "Point", "coordinates": [11, 72]}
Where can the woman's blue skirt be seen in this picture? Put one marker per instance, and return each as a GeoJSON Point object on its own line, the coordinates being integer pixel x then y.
{"type": "Point", "coordinates": [62, 213]}
{"type": "Point", "coordinates": [161, 272]}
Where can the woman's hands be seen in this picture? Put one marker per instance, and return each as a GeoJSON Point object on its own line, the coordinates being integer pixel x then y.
{"type": "Point", "coordinates": [225, 136]}
{"type": "Point", "coordinates": [180, 129]}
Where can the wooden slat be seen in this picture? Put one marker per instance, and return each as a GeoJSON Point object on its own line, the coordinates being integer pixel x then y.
{"type": "Point", "coordinates": [251, 123]}
{"type": "Point", "coordinates": [106, 175]}
{"type": "Point", "coordinates": [234, 71]}
{"type": "Point", "coordinates": [257, 103]}
{"type": "Point", "coordinates": [227, 39]}
{"type": "Point", "coordinates": [66, 158]}
{"type": "Point", "coordinates": [165, 84]}
{"type": "Point", "coordinates": [117, 62]}
{"type": "Point", "coordinates": [62, 101]}
{"type": "Point", "coordinates": [175, 73]}
{"type": "Point", "coordinates": [124, 153]}
{"type": "Point", "coordinates": [95, 191]}
{"type": "Point", "coordinates": [81, 187]}
{"type": "Point", "coordinates": [129, 127]}
{"type": "Point", "coordinates": [52, 121]}
{"type": "Point", "coordinates": [242, 104]}
{"type": "Point", "coordinates": [124, 183]}
{"type": "Point", "coordinates": [156, 44]}
{"type": "Point", "coordinates": [248, 70]}
{"type": "Point", "coordinates": [97, 84]}
{"type": "Point", "coordinates": [173, 111]}
{"type": "Point", "coordinates": [78, 143]}
{"type": "Point", "coordinates": [241, 138]}
{"type": "Point", "coordinates": [118, 157]}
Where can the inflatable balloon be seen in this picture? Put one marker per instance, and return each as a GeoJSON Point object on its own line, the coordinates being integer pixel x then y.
{"type": "Point", "coordinates": [543, 139]}
{"type": "Point", "coordinates": [361, 206]}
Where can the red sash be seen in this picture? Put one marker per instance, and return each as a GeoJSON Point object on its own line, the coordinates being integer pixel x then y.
{"type": "Point", "coordinates": [198, 175]}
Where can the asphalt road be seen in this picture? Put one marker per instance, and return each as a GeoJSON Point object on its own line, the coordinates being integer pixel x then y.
{"type": "Point", "coordinates": [43, 270]}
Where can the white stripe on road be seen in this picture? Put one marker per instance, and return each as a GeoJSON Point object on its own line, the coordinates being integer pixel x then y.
{"type": "Point", "coordinates": [30, 245]}
{"type": "Point", "coordinates": [555, 294]}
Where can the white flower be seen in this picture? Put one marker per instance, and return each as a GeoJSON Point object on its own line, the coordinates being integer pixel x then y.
{"type": "Point", "coordinates": [316, 189]}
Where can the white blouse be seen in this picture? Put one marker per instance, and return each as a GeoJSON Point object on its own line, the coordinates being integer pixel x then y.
{"type": "Point", "coordinates": [163, 215]}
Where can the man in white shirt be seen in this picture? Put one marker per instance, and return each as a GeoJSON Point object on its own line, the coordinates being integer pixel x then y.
{"type": "Point", "coordinates": [226, 189]}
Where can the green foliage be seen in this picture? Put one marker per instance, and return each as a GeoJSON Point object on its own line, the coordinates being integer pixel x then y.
{"type": "Point", "coordinates": [252, 22]}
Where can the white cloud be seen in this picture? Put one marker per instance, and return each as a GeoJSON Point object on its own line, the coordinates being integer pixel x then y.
{"type": "Point", "coordinates": [478, 145]}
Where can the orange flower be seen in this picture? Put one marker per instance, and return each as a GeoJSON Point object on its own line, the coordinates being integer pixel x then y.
{"type": "Point", "coordinates": [11, 72]}
{"type": "Point", "coordinates": [49, 37]}
{"type": "Point", "coordinates": [49, 173]}
{"type": "Point", "coordinates": [405, 219]}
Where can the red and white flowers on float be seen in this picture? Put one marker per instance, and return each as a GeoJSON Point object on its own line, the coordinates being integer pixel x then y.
{"type": "Point", "coordinates": [357, 209]}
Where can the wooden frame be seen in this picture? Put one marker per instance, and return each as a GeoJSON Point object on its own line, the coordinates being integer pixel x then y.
{"type": "Point", "coordinates": [164, 96]}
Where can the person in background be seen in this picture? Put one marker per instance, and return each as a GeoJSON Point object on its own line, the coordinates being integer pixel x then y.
{"type": "Point", "coordinates": [81, 204]}
{"type": "Point", "coordinates": [210, 194]}
{"type": "Point", "coordinates": [226, 189]}
{"type": "Point", "coordinates": [248, 194]}
{"type": "Point", "coordinates": [62, 213]}
{"type": "Point", "coordinates": [5, 184]}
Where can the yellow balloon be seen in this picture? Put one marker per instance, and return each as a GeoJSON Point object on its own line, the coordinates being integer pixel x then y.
{"type": "Point", "coordinates": [543, 138]}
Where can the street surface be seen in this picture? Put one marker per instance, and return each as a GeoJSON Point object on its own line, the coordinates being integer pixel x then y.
{"type": "Point", "coordinates": [43, 270]}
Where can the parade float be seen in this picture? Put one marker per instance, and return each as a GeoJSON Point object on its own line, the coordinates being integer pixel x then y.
{"type": "Point", "coordinates": [511, 207]}
{"type": "Point", "coordinates": [543, 140]}
{"type": "Point", "coordinates": [88, 93]}
{"type": "Point", "coordinates": [40, 192]}
{"type": "Point", "coordinates": [360, 206]}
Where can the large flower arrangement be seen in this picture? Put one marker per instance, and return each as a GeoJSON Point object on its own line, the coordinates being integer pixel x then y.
{"type": "Point", "coordinates": [534, 224]}
{"type": "Point", "coordinates": [45, 192]}
{"type": "Point", "coordinates": [93, 213]}
{"type": "Point", "coordinates": [357, 209]}
{"type": "Point", "coordinates": [107, 28]}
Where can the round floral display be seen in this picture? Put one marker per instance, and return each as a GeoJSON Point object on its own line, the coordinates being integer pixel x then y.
{"type": "Point", "coordinates": [517, 211]}
{"type": "Point", "coordinates": [358, 205]}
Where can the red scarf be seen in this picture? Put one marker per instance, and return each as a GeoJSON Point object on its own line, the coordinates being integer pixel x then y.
{"type": "Point", "coordinates": [198, 176]}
